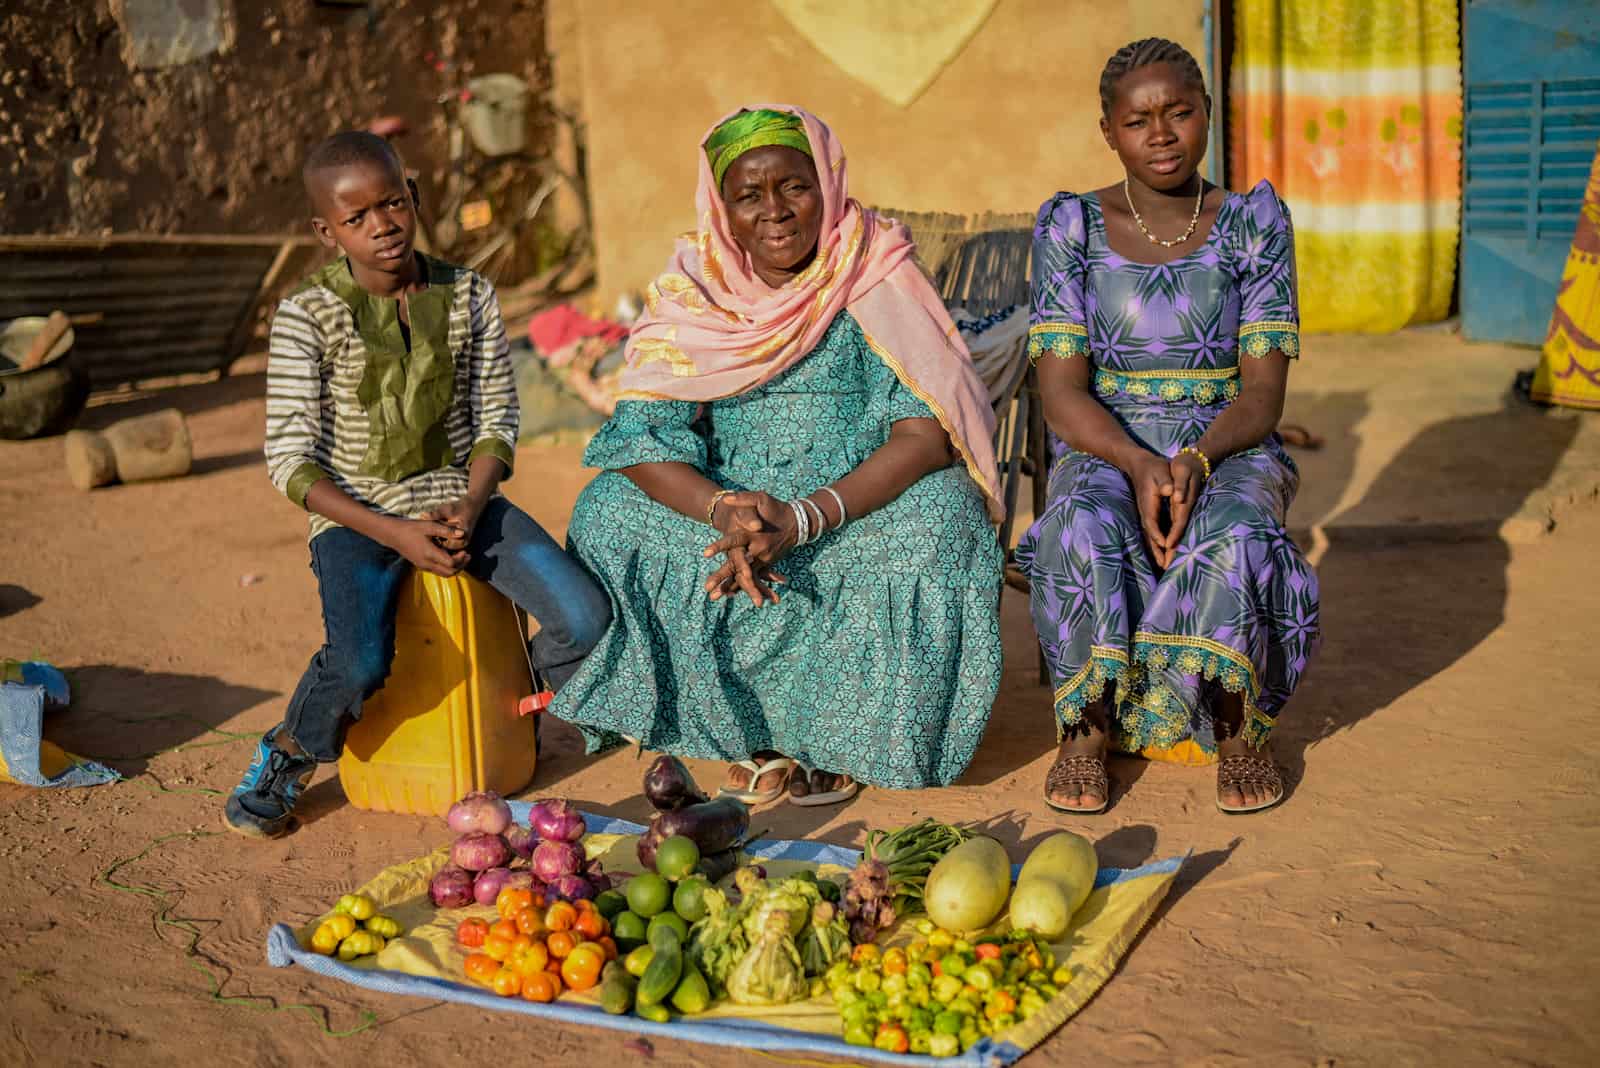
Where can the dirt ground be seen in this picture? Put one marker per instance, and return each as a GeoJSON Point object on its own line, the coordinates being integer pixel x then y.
{"type": "Point", "coordinates": [1425, 895]}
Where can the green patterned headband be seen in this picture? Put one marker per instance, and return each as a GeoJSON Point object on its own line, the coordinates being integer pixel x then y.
{"type": "Point", "coordinates": [753, 129]}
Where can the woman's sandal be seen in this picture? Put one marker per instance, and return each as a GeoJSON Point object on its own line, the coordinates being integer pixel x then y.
{"type": "Point", "coordinates": [1079, 770]}
{"type": "Point", "coordinates": [827, 797]}
{"type": "Point", "coordinates": [758, 770]}
{"type": "Point", "coordinates": [1247, 769]}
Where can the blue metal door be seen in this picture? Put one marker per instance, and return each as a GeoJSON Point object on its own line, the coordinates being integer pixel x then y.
{"type": "Point", "coordinates": [1532, 122]}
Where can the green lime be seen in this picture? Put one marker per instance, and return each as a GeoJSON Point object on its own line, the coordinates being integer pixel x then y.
{"type": "Point", "coordinates": [677, 856]}
{"type": "Point", "coordinates": [610, 903]}
{"type": "Point", "coordinates": [688, 900]}
{"type": "Point", "coordinates": [648, 894]}
{"type": "Point", "coordinates": [629, 927]}
{"type": "Point", "coordinates": [666, 920]}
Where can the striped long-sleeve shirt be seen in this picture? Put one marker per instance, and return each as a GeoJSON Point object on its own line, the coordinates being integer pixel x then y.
{"type": "Point", "coordinates": [392, 426]}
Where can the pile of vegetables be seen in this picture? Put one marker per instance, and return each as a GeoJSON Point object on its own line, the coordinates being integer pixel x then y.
{"type": "Point", "coordinates": [716, 827]}
{"type": "Point", "coordinates": [652, 921]}
{"type": "Point", "coordinates": [355, 929]}
{"type": "Point", "coordinates": [765, 948]}
{"type": "Point", "coordinates": [942, 994]}
{"type": "Point", "coordinates": [493, 853]}
{"type": "Point", "coordinates": [536, 950]}
{"type": "Point", "coordinates": [889, 881]}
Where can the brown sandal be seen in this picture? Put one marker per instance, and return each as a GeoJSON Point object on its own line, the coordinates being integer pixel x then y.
{"type": "Point", "coordinates": [1242, 770]}
{"type": "Point", "coordinates": [1087, 773]}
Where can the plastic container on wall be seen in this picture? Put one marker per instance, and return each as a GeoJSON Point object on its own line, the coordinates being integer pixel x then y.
{"type": "Point", "coordinates": [446, 721]}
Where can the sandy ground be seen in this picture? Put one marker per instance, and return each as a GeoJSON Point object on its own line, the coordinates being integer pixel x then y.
{"type": "Point", "coordinates": [1425, 895]}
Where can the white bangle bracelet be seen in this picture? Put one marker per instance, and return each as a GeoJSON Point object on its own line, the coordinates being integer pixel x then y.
{"type": "Point", "coordinates": [821, 517]}
{"type": "Point", "coordinates": [802, 524]}
{"type": "Point", "coordinates": [843, 515]}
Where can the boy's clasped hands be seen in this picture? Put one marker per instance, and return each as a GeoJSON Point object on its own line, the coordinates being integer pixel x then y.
{"type": "Point", "coordinates": [436, 541]}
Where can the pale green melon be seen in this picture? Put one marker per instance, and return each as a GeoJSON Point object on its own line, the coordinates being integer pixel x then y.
{"type": "Point", "coordinates": [1054, 883]}
{"type": "Point", "coordinates": [967, 889]}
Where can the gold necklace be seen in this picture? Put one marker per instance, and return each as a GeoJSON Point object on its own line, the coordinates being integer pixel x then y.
{"type": "Point", "coordinates": [1194, 220]}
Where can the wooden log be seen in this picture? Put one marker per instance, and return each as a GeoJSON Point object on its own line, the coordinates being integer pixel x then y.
{"type": "Point", "coordinates": [141, 449]}
{"type": "Point", "coordinates": [54, 329]}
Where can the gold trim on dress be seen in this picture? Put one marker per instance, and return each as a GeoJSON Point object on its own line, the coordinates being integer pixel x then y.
{"type": "Point", "coordinates": [933, 406]}
{"type": "Point", "coordinates": [1103, 652]}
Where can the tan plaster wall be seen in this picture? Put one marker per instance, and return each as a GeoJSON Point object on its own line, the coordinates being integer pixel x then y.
{"type": "Point", "coordinates": [1011, 120]}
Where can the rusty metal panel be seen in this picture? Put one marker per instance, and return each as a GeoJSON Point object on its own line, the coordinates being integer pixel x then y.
{"type": "Point", "coordinates": [170, 304]}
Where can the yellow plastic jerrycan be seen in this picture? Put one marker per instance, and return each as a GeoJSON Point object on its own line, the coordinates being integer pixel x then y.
{"type": "Point", "coordinates": [446, 721]}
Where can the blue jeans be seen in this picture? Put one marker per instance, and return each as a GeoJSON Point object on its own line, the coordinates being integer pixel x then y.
{"type": "Point", "coordinates": [360, 583]}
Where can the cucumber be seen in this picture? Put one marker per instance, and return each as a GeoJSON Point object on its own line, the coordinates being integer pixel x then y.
{"type": "Point", "coordinates": [661, 977]}
{"type": "Point", "coordinates": [616, 993]}
{"type": "Point", "coordinates": [692, 995]}
{"type": "Point", "coordinates": [653, 1013]}
{"type": "Point", "coordinates": [637, 961]}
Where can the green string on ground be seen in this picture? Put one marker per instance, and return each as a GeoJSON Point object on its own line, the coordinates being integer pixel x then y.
{"type": "Point", "coordinates": [163, 918]}
{"type": "Point", "coordinates": [225, 737]}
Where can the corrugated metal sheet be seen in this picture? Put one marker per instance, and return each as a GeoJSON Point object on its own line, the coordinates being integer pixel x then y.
{"type": "Point", "coordinates": [170, 304]}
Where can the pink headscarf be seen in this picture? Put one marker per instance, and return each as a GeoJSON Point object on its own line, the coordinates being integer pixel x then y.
{"type": "Point", "coordinates": [712, 328]}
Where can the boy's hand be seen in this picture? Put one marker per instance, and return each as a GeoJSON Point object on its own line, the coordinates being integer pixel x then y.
{"type": "Point", "coordinates": [422, 541]}
{"type": "Point", "coordinates": [461, 515]}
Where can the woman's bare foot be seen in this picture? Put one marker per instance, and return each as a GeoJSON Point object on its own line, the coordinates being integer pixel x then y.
{"type": "Point", "coordinates": [819, 782]}
{"type": "Point", "coordinates": [1248, 779]}
{"type": "Point", "coordinates": [741, 779]}
{"type": "Point", "coordinates": [1077, 781]}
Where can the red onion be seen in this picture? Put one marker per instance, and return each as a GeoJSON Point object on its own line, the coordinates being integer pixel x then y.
{"type": "Point", "coordinates": [480, 851]}
{"type": "Point", "coordinates": [570, 888]}
{"type": "Point", "coordinates": [487, 886]}
{"type": "Point", "coordinates": [451, 887]}
{"type": "Point", "coordinates": [480, 811]}
{"type": "Point", "coordinates": [552, 860]}
{"type": "Point", "coordinates": [522, 879]}
{"type": "Point", "coordinates": [521, 840]}
{"type": "Point", "coordinates": [555, 820]}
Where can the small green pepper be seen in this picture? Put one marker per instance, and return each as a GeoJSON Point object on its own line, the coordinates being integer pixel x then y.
{"type": "Point", "coordinates": [860, 1035]}
{"type": "Point", "coordinates": [918, 975]}
{"type": "Point", "coordinates": [947, 1023]}
{"type": "Point", "coordinates": [944, 1045]}
{"type": "Point", "coordinates": [954, 964]}
{"type": "Point", "coordinates": [921, 1041]}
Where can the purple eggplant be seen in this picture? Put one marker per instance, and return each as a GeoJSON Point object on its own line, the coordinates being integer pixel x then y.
{"type": "Point", "coordinates": [713, 826]}
{"type": "Point", "coordinates": [668, 786]}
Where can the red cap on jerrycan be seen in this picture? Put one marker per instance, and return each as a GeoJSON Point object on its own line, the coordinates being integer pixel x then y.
{"type": "Point", "coordinates": [535, 703]}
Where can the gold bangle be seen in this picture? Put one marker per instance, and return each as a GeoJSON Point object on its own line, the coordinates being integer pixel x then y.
{"type": "Point", "coordinates": [1205, 464]}
{"type": "Point", "coordinates": [711, 509]}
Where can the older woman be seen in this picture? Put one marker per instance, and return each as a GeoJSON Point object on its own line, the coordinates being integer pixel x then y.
{"type": "Point", "coordinates": [791, 523]}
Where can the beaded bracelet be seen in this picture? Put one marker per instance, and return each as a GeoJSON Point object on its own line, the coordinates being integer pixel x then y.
{"type": "Point", "coordinates": [711, 509]}
{"type": "Point", "coordinates": [1205, 463]}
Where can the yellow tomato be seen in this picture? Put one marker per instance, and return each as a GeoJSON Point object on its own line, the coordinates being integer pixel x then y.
{"type": "Point", "coordinates": [324, 940]}
{"type": "Point", "coordinates": [358, 905]}
{"type": "Point", "coordinates": [342, 924]}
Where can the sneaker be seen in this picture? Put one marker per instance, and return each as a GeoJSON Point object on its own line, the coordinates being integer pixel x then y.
{"type": "Point", "coordinates": [262, 805]}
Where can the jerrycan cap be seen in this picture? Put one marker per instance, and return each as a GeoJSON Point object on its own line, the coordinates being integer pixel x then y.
{"type": "Point", "coordinates": [535, 703]}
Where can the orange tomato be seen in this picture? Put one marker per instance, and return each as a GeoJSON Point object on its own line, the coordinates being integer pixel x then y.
{"type": "Point", "coordinates": [504, 928]}
{"type": "Point", "coordinates": [497, 946]}
{"type": "Point", "coordinates": [511, 899]}
{"type": "Point", "coordinates": [609, 944]}
{"type": "Point", "coordinates": [561, 916]}
{"type": "Point", "coordinates": [590, 923]}
{"type": "Point", "coordinates": [560, 943]}
{"type": "Point", "coordinates": [521, 942]}
{"type": "Point", "coordinates": [583, 904]}
{"type": "Point", "coordinates": [481, 967]}
{"type": "Point", "coordinates": [507, 983]}
{"type": "Point", "coordinates": [581, 969]}
{"type": "Point", "coordinates": [529, 922]}
{"type": "Point", "coordinates": [530, 959]}
{"type": "Point", "coordinates": [471, 932]}
{"type": "Point", "coordinates": [541, 986]}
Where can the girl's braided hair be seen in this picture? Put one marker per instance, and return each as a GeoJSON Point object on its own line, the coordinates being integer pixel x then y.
{"type": "Point", "coordinates": [1133, 56]}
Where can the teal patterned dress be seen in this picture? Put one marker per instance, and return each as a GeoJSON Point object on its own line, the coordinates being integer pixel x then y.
{"type": "Point", "coordinates": [882, 659]}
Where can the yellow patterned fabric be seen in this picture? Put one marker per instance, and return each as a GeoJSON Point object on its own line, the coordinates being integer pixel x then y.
{"type": "Point", "coordinates": [1353, 111]}
{"type": "Point", "coordinates": [1569, 369]}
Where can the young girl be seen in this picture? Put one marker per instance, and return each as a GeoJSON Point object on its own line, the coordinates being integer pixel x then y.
{"type": "Point", "coordinates": [1175, 612]}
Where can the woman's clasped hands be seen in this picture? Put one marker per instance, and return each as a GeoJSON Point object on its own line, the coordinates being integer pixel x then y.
{"type": "Point", "coordinates": [1166, 492]}
{"type": "Point", "coordinates": [757, 531]}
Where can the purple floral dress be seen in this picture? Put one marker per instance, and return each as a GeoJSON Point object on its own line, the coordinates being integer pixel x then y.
{"type": "Point", "coordinates": [1238, 607]}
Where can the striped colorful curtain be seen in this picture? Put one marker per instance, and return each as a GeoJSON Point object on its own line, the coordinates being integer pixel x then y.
{"type": "Point", "coordinates": [1353, 110]}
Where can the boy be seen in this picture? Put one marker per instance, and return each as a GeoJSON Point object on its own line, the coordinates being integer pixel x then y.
{"type": "Point", "coordinates": [392, 418]}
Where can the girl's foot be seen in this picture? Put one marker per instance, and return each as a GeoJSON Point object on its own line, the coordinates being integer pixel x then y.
{"type": "Point", "coordinates": [1248, 779]}
{"type": "Point", "coordinates": [1077, 781]}
{"type": "Point", "coordinates": [759, 779]}
{"type": "Point", "coordinates": [809, 787]}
